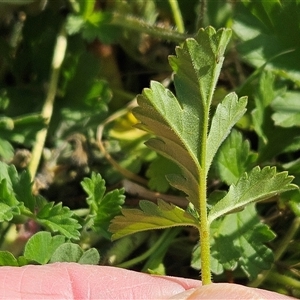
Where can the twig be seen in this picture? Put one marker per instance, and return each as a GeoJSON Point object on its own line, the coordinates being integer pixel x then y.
{"type": "Point", "coordinates": [136, 24]}
{"type": "Point", "coordinates": [58, 57]}
{"type": "Point", "coordinates": [143, 193]}
{"type": "Point", "coordinates": [126, 173]}
{"type": "Point", "coordinates": [177, 15]}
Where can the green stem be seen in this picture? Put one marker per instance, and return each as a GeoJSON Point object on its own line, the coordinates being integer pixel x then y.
{"type": "Point", "coordinates": [124, 247]}
{"type": "Point", "coordinates": [201, 14]}
{"type": "Point", "coordinates": [132, 23]}
{"type": "Point", "coordinates": [284, 280]}
{"type": "Point", "coordinates": [155, 260]}
{"type": "Point", "coordinates": [204, 225]}
{"type": "Point", "coordinates": [124, 94]}
{"type": "Point", "coordinates": [159, 243]}
{"type": "Point", "coordinates": [126, 173]}
{"type": "Point", "coordinates": [47, 110]}
{"type": "Point", "coordinates": [177, 15]}
{"type": "Point", "coordinates": [4, 229]}
{"type": "Point", "coordinates": [284, 244]}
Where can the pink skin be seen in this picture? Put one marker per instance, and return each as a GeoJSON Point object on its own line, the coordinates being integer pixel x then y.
{"type": "Point", "coordinates": [74, 281]}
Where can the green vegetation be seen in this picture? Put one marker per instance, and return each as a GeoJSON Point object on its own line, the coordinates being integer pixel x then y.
{"type": "Point", "coordinates": [208, 154]}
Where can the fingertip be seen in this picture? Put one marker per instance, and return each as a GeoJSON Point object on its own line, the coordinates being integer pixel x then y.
{"type": "Point", "coordinates": [228, 291]}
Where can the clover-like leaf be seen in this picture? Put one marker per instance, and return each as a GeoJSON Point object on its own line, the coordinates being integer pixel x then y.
{"type": "Point", "coordinates": [69, 252]}
{"type": "Point", "coordinates": [8, 259]}
{"type": "Point", "coordinates": [151, 216]}
{"type": "Point", "coordinates": [41, 246]}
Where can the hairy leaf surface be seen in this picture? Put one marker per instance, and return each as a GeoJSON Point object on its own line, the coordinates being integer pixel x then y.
{"type": "Point", "coordinates": [180, 122]}
{"type": "Point", "coordinates": [227, 114]}
{"type": "Point", "coordinates": [257, 185]}
{"type": "Point", "coordinates": [151, 216]}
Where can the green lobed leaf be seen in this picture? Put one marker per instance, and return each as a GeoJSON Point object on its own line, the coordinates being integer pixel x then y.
{"type": "Point", "coordinates": [9, 205]}
{"type": "Point", "coordinates": [262, 27]}
{"type": "Point", "coordinates": [257, 185]}
{"type": "Point", "coordinates": [6, 149]}
{"type": "Point", "coordinates": [270, 144]}
{"type": "Point", "coordinates": [179, 123]}
{"type": "Point", "coordinates": [60, 219]}
{"type": "Point", "coordinates": [249, 237]}
{"type": "Point", "coordinates": [238, 240]}
{"type": "Point", "coordinates": [157, 171]}
{"type": "Point", "coordinates": [233, 158]}
{"type": "Point", "coordinates": [22, 187]}
{"type": "Point", "coordinates": [287, 109]}
{"type": "Point", "coordinates": [41, 246]}
{"type": "Point", "coordinates": [103, 207]}
{"type": "Point", "coordinates": [74, 24]}
{"type": "Point", "coordinates": [228, 112]}
{"type": "Point", "coordinates": [6, 172]}
{"type": "Point", "coordinates": [98, 26]}
{"type": "Point", "coordinates": [264, 95]}
{"type": "Point", "coordinates": [16, 196]}
{"type": "Point", "coordinates": [151, 216]}
{"type": "Point", "coordinates": [95, 189]}
{"type": "Point", "coordinates": [86, 8]}
{"type": "Point", "coordinates": [92, 24]}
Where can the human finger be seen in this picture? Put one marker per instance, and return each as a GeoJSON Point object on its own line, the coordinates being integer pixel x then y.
{"type": "Point", "coordinates": [75, 281]}
{"type": "Point", "coordinates": [228, 291]}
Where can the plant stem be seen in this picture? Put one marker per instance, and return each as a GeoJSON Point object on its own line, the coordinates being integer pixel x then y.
{"type": "Point", "coordinates": [124, 247]}
{"type": "Point", "coordinates": [167, 235]}
{"type": "Point", "coordinates": [47, 110]}
{"type": "Point", "coordinates": [285, 280]}
{"type": "Point", "coordinates": [201, 14]}
{"type": "Point", "coordinates": [126, 173]}
{"type": "Point", "coordinates": [204, 235]}
{"type": "Point", "coordinates": [132, 23]}
{"type": "Point", "coordinates": [204, 225]}
{"type": "Point", "coordinates": [177, 15]}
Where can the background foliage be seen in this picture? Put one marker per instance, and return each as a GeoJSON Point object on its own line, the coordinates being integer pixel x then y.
{"type": "Point", "coordinates": [93, 160]}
